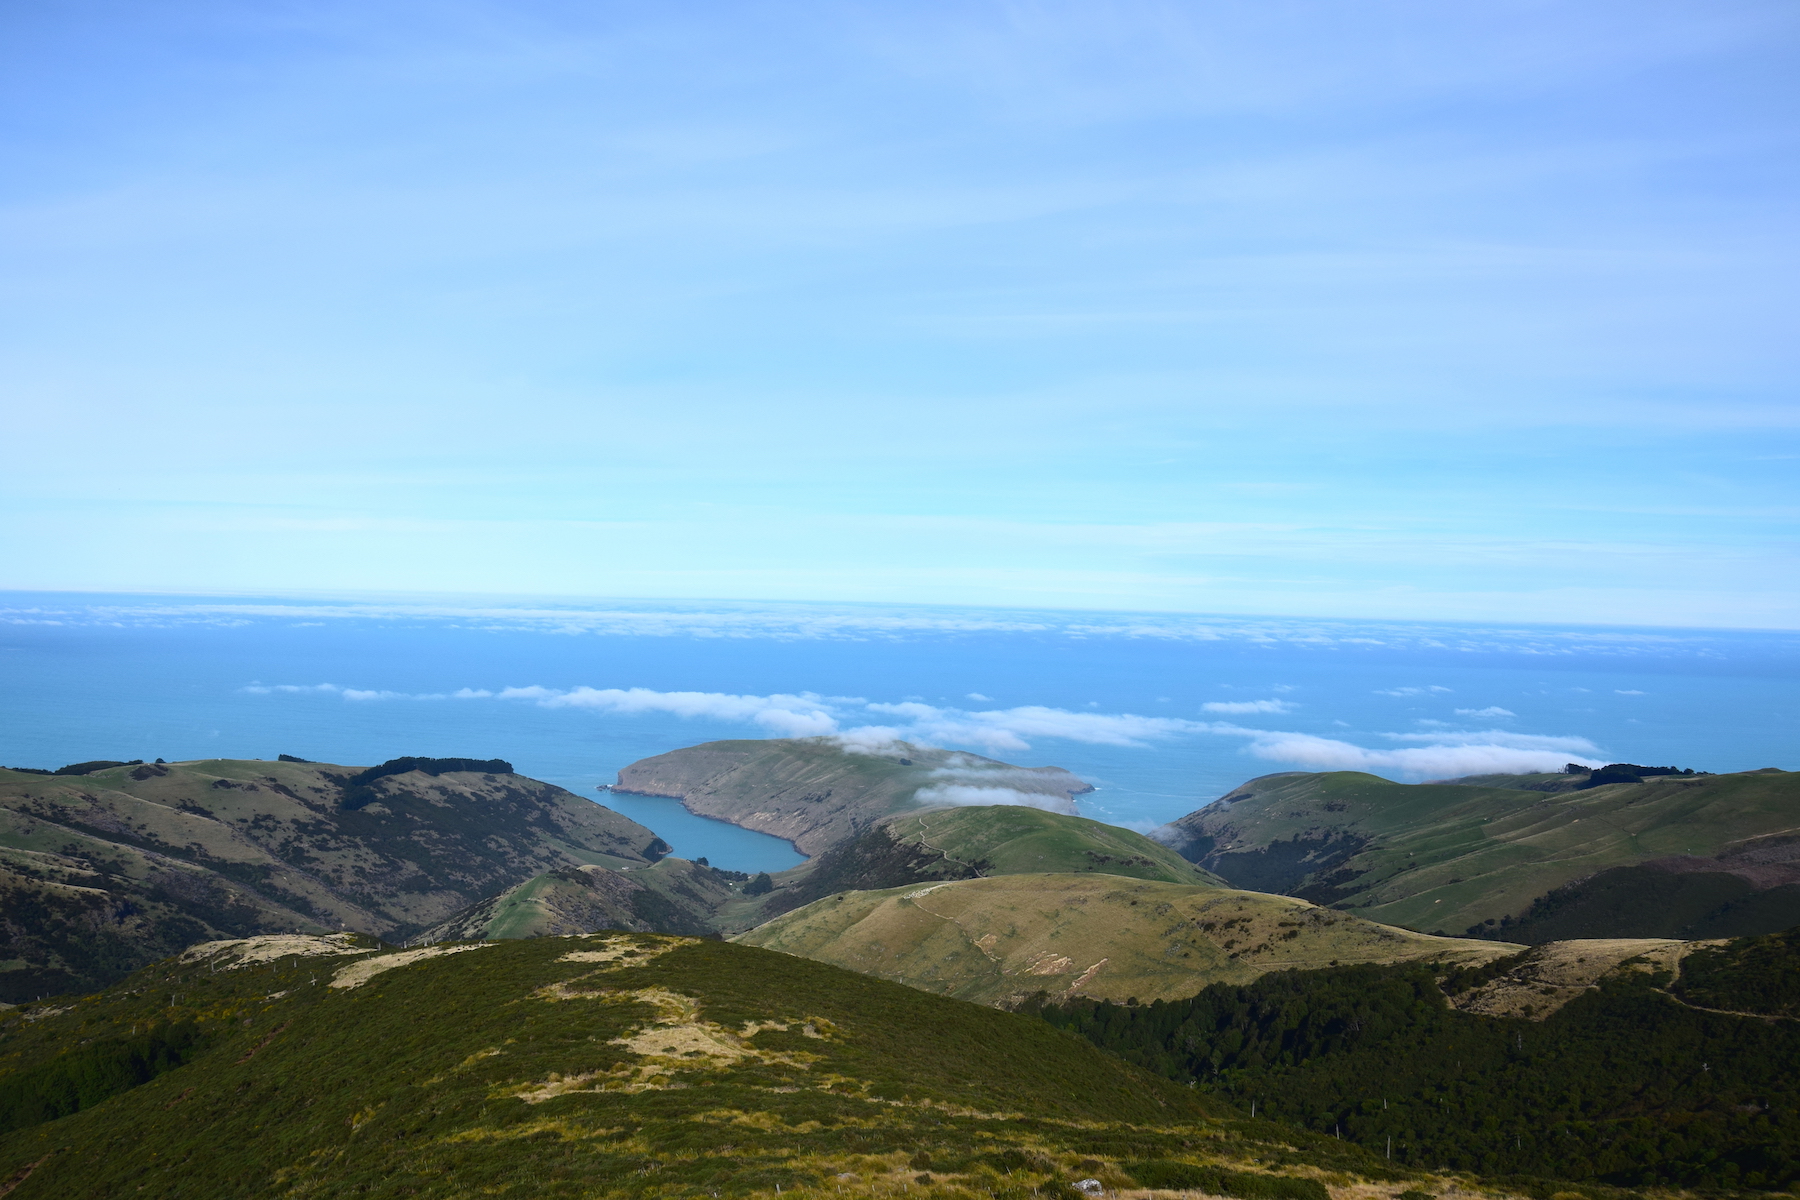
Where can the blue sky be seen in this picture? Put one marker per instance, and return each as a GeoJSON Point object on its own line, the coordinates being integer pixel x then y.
{"type": "Point", "coordinates": [1400, 310]}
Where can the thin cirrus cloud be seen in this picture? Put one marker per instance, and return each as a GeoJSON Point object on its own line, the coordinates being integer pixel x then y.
{"type": "Point", "coordinates": [1413, 691]}
{"type": "Point", "coordinates": [1245, 707]}
{"type": "Point", "coordinates": [1492, 710]}
{"type": "Point", "coordinates": [845, 719]}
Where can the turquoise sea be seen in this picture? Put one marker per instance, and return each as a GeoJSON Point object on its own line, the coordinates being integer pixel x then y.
{"type": "Point", "coordinates": [1161, 712]}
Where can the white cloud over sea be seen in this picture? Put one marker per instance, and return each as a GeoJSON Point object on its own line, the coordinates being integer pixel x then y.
{"type": "Point", "coordinates": [963, 794]}
{"type": "Point", "coordinates": [1444, 755]}
{"type": "Point", "coordinates": [864, 726]}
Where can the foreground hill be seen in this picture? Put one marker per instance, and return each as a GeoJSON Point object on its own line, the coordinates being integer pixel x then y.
{"type": "Point", "coordinates": [103, 871]}
{"type": "Point", "coordinates": [618, 1065]}
{"type": "Point", "coordinates": [1003, 939]}
{"type": "Point", "coordinates": [816, 794]}
{"type": "Point", "coordinates": [1453, 857]}
{"type": "Point", "coordinates": [1670, 1067]}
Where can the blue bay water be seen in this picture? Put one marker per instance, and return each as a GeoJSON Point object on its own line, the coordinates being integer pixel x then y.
{"type": "Point", "coordinates": [1161, 712]}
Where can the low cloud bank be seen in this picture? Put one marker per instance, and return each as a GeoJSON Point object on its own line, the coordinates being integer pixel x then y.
{"type": "Point", "coordinates": [789, 716]}
{"type": "Point", "coordinates": [845, 719]}
{"type": "Point", "coordinates": [963, 794]}
{"type": "Point", "coordinates": [1449, 756]}
{"type": "Point", "coordinates": [1009, 728]}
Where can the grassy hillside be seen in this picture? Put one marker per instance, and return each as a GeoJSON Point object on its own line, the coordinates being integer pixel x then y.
{"type": "Point", "coordinates": [1449, 857]}
{"type": "Point", "coordinates": [617, 1065]}
{"type": "Point", "coordinates": [1002, 939]}
{"type": "Point", "coordinates": [670, 896]}
{"type": "Point", "coordinates": [816, 794]}
{"type": "Point", "coordinates": [1011, 840]}
{"type": "Point", "coordinates": [675, 896]}
{"type": "Point", "coordinates": [969, 843]}
{"type": "Point", "coordinates": [102, 872]}
{"type": "Point", "coordinates": [1640, 1078]}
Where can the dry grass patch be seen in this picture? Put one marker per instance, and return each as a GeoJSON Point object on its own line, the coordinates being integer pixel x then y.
{"type": "Point", "coordinates": [359, 973]}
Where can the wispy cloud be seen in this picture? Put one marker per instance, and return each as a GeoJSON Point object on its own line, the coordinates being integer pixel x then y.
{"type": "Point", "coordinates": [1412, 691]}
{"type": "Point", "coordinates": [1243, 707]}
{"type": "Point", "coordinates": [1492, 710]}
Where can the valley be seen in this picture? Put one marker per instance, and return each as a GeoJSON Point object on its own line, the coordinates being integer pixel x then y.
{"type": "Point", "coordinates": [876, 1017]}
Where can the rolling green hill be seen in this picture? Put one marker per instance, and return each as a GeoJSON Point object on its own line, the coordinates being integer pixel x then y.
{"type": "Point", "coordinates": [1451, 857]}
{"type": "Point", "coordinates": [817, 794]}
{"type": "Point", "coordinates": [1002, 939]}
{"type": "Point", "coordinates": [669, 896]}
{"type": "Point", "coordinates": [675, 896]}
{"type": "Point", "coordinates": [104, 871]}
{"type": "Point", "coordinates": [968, 843]}
{"type": "Point", "coordinates": [616, 1065]}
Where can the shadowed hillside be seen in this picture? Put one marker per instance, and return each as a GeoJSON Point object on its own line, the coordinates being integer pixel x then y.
{"type": "Point", "coordinates": [103, 871]}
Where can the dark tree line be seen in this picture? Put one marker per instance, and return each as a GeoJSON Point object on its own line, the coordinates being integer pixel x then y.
{"type": "Point", "coordinates": [1625, 1085]}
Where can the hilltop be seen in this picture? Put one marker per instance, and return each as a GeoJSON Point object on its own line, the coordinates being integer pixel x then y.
{"type": "Point", "coordinates": [1003, 939]}
{"type": "Point", "coordinates": [105, 868]}
{"type": "Point", "coordinates": [1711, 853]}
{"type": "Point", "coordinates": [620, 1064]}
{"type": "Point", "coordinates": [816, 793]}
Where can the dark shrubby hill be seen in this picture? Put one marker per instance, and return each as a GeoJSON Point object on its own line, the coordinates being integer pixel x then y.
{"type": "Point", "coordinates": [1628, 1085]}
{"type": "Point", "coordinates": [630, 1065]}
{"type": "Point", "coordinates": [1651, 900]}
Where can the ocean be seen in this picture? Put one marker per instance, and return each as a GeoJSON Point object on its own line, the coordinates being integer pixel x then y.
{"type": "Point", "coordinates": [1161, 712]}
